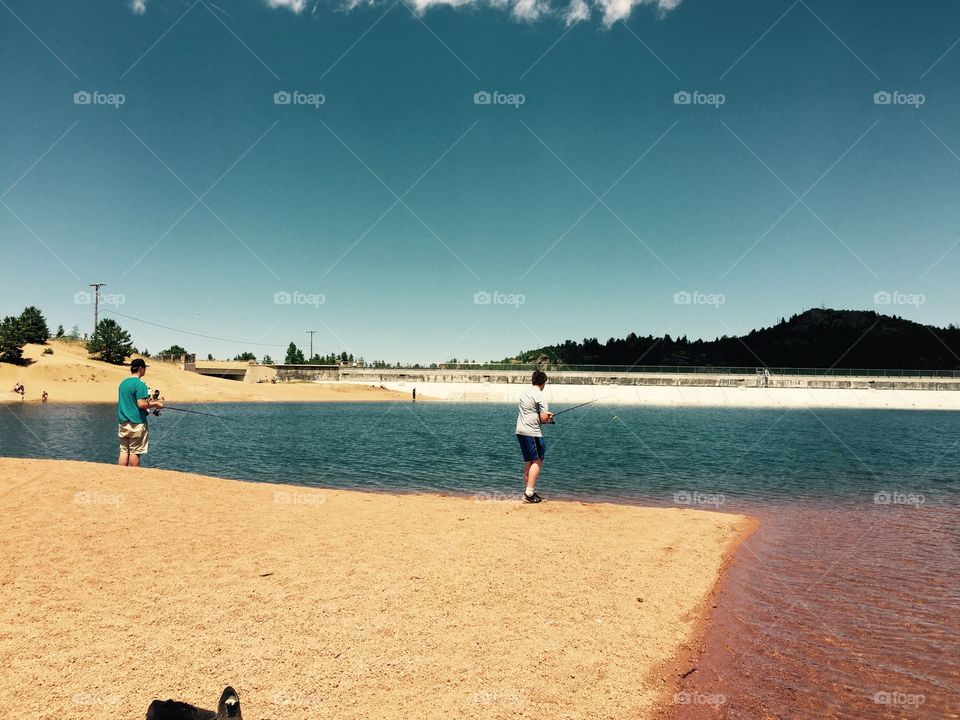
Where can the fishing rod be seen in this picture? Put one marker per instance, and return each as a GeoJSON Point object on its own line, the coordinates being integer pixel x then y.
{"type": "Point", "coordinates": [192, 412]}
{"type": "Point", "coordinates": [156, 412]}
{"type": "Point", "coordinates": [589, 402]}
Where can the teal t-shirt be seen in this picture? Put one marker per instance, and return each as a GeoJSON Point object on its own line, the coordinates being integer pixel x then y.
{"type": "Point", "coordinates": [131, 390]}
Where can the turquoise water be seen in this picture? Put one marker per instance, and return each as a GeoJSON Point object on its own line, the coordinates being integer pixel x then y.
{"type": "Point", "coordinates": [597, 452]}
{"type": "Point", "coordinates": [844, 604]}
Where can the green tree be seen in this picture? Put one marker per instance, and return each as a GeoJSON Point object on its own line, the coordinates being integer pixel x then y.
{"type": "Point", "coordinates": [11, 340]}
{"type": "Point", "coordinates": [33, 326]}
{"type": "Point", "coordinates": [110, 342]}
{"type": "Point", "coordinates": [209, 356]}
{"type": "Point", "coordinates": [245, 356]}
{"type": "Point", "coordinates": [294, 355]}
{"type": "Point", "coordinates": [74, 333]}
{"type": "Point", "coordinates": [171, 353]}
{"type": "Point", "coordinates": [59, 331]}
{"type": "Point", "coordinates": [267, 360]}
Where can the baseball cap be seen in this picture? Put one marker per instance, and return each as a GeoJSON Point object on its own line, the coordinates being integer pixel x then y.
{"type": "Point", "coordinates": [137, 364]}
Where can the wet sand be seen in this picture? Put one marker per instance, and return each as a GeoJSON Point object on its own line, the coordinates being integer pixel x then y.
{"type": "Point", "coordinates": [845, 611]}
{"type": "Point", "coordinates": [122, 585]}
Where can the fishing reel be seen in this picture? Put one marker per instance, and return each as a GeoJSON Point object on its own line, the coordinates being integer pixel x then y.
{"type": "Point", "coordinates": [155, 395]}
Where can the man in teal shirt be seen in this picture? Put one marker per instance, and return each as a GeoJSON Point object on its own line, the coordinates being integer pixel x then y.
{"type": "Point", "coordinates": [133, 407]}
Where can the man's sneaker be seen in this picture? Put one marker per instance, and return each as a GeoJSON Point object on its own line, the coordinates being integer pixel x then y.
{"type": "Point", "coordinates": [532, 498]}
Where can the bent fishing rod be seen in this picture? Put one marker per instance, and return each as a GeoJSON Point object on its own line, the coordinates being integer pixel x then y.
{"type": "Point", "coordinates": [589, 402]}
{"type": "Point", "coordinates": [192, 412]}
{"type": "Point", "coordinates": [156, 412]}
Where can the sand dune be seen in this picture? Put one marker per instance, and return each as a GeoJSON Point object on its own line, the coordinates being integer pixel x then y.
{"type": "Point", "coordinates": [122, 585]}
{"type": "Point", "coordinates": [69, 375]}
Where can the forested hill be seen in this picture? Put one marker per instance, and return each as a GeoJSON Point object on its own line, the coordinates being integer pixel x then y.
{"type": "Point", "coordinates": [814, 339]}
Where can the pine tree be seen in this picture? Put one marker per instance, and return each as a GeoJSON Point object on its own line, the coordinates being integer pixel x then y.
{"type": "Point", "coordinates": [294, 355]}
{"type": "Point", "coordinates": [33, 326]}
{"type": "Point", "coordinates": [110, 342]}
{"type": "Point", "coordinates": [11, 340]}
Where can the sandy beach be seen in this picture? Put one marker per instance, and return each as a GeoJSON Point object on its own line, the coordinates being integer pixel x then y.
{"type": "Point", "coordinates": [120, 586]}
{"type": "Point", "coordinates": [69, 375]}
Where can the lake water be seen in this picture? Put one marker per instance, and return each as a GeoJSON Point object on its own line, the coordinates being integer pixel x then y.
{"type": "Point", "coordinates": [845, 603]}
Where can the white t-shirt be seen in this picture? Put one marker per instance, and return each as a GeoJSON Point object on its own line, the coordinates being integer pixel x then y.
{"type": "Point", "coordinates": [532, 403]}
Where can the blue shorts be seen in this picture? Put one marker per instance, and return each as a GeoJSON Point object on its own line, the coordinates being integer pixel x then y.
{"type": "Point", "coordinates": [533, 448]}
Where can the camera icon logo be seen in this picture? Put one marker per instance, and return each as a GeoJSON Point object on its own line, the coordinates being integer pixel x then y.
{"type": "Point", "coordinates": [682, 298]}
{"type": "Point", "coordinates": [882, 298]}
{"type": "Point", "coordinates": [82, 98]}
{"type": "Point", "coordinates": [282, 98]}
{"type": "Point", "coordinates": [482, 98]}
{"type": "Point", "coordinates": [482, 298]}
{"type": "Point", "coordinates": [884, 497]}
{"type": "Point", "coordinates": [882, 98]}
{"type": "Point", "coordinates": [82, 298]}
{"type": "Point", "coordinates": [682, 497]}
{"type": "Point", "coordinates": [682, 98]}
{"type": "Point", "coordinates": [282, 298]}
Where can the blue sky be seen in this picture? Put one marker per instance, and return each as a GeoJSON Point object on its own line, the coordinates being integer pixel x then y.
{"type": "Point", "coordinates": [406, 219]}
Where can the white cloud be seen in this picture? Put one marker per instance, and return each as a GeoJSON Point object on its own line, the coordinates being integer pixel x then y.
{"type": "Point", "coordinates": [577, 12]}
{"type": "Point", "coordinates": [295, 6]}
{"type": "Point", "coordinates": [530, 10]}
{"type": "Point", "coordinates": [138, 6]}
{"type": "Point", "coordinates": [522, 10]}
{"type": "Point", "coordinates": [614, 10]}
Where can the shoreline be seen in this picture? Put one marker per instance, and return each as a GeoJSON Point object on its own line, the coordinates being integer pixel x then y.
{"type": "Point", "coordinates": [71, 377]}
{"type": "Point", "coordinates": [684, 702]}
{"type": "Point", "coordinates": [335, 576]}
{"type": "Point", "coordinates": [691, 396]}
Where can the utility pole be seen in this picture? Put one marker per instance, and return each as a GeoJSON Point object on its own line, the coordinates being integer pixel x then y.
{"type": "Point", "coordinates": [96, 303]}
{"type": "Point", "coordinates": [311, 333]}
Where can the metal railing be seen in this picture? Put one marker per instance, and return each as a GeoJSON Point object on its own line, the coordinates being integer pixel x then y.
{"type": "Point", "coordinates": [683, 370]}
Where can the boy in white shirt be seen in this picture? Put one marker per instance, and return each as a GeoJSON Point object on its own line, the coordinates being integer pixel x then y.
{"type": "Point", "coordinates": [533, 413]}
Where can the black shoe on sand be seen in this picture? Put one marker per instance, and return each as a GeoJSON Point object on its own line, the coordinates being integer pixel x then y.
{"type": "Point", "coordinates": [228, 707]}
{"type": "Point", "coordinates": [532, 498]}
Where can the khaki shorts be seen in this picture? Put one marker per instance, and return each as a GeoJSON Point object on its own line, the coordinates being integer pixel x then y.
{"type": "Point", "coordinates": [134, 438]}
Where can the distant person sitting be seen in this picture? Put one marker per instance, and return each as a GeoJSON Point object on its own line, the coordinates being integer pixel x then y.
{"type": "Point", "coordinates": [20, 390]}
{"type": "Point", "coordinates": [133, 407]}
{"type": "Point", "coordinates": [44, 396]}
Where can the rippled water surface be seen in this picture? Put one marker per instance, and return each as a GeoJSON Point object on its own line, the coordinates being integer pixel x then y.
{"type": "Point", "coordinates": [845, 603]}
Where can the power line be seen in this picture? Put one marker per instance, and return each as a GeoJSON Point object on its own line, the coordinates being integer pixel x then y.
{"type": "Point", "coordinates": [194, 334]}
